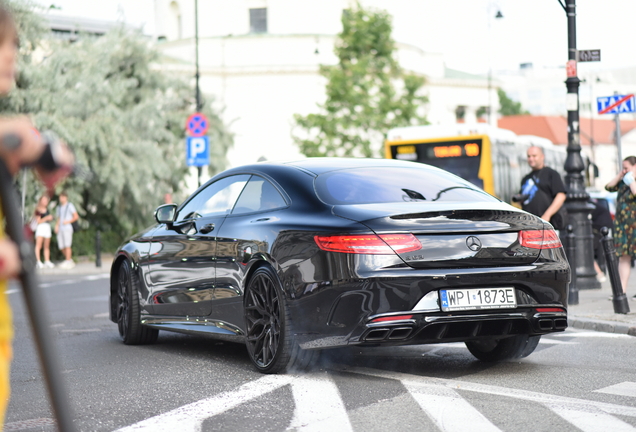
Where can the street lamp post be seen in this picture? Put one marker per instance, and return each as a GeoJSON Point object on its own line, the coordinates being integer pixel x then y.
{"type": "Point", "coordinates": [498, 15]}
{"type": "Point", "coordinates": [197, 90]}
{"type": "Point", "coordinates": [577, 204]}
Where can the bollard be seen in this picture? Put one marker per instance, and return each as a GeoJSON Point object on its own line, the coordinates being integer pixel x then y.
{"type": "Point", "coordinates": [620, 299]}
{"type": "Point", "coordinates": [98, 248]}
{"type": "Point", "coordinates": [573, 291]}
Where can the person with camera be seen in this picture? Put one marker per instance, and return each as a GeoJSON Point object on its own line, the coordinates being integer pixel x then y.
{"type": "Point", "coordinates": [624, 230]}
{"type": "Point", "coordinates": [542, 190]}
{"type": "Point", "coordinates": [66, 215]}
{"type": "Point", "coordinates": [20, 146]}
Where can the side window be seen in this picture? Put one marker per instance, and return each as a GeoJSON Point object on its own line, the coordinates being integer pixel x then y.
{"type": "Point", "coordinates": [258, 195]}
{"type": "Point", "coordinates": [216, 199]}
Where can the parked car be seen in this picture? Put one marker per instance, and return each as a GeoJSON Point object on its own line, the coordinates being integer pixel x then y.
{"type": "Point", "coordinates": [293, 258]}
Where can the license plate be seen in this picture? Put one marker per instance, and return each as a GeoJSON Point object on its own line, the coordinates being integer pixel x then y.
{"type": "Point", "coordinates": [478, 298]}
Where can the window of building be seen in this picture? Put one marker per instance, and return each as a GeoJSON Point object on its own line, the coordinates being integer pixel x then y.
{"type": "Point", "coordinates": [258, 20]}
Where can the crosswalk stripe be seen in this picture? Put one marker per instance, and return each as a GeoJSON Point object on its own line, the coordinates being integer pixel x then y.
{"type": "Point", "coordinates": [594, 421]}
{"type": "Point", "coordinates": [189, 418]}
{"type": "Point", "coordinates": [543, 398]}
{"type": "Point", "coordinates": [319, 406]}
{"type": "Point", "coordinates": [626, 388]}
{"type": "Point", "coordinates": [448, 410]}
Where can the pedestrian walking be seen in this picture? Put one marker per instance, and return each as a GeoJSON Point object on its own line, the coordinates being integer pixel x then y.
{"type": "Point", "coordinates": [43, 232]}
{"type": "Point", "coordinates": [66, 214]}
{"type": "Point", "coordinates": [542, 190]}
{"type": "Point", "coordinates": [624, 231]}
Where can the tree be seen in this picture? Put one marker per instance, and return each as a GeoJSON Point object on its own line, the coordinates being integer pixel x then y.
{"type": "Point", "coordinates": [122, 116]}
{"type": "Point", "coordinates": [367, 92]}
{"type": "Point", "coordinates": [508, 106]}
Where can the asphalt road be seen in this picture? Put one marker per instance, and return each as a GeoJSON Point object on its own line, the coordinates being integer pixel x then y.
{"type": "Point", "coordinates": [577, 380]}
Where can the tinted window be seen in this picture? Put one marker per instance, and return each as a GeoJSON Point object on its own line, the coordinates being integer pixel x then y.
{"type": "Point", "coordinates": [218, 198]}
{"type": "Point", "coordinates": [385, 185]}
{"type": "Point", "coordinates": [258, 195]}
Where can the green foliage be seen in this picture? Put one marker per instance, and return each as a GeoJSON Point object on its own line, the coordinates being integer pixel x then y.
{"type": "Point", "coordinates": [84, 242]}
{"type": "Point", "coordinates": [124, 119]}
{"type": "Point", "coordinates": [508, 106]}
{"type": "Point", "coordinates": [367, 92]}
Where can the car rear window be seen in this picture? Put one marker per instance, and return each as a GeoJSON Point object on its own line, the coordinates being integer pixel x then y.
{"type": "Point", "coordinates": [373, 185]}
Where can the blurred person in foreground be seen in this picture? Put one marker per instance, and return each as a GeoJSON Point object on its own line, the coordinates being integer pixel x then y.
{"type": "Point", "coordinates": [14, 157]}
{"type": "Point", "coordinates": [66, 215]}
{"type": "Point", "coordinates": [542, 190]}
{"type": "Point", "coordinates": [624, 231]}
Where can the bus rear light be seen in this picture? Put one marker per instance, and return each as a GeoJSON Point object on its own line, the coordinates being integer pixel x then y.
{"type": "Point", "coordinates": [384, 244]}
{"type": "Point", "coordinates": [539, 239]}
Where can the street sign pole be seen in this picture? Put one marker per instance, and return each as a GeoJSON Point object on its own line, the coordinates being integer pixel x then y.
{"type": "Point", "coordinates": [619, 150]}
{"type": "Point", "coordinates": [579, 209]}
{"type": "Point", "coordinates": [197, 90]}
{"type": "Point", "coordinates": [617, 104]}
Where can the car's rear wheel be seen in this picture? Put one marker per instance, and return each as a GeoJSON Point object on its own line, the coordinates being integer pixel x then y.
{"type": "Point", "coordinates": [132, 331]}
{"type": "Point", "coordinates": [270, 341]}
{"type": "Point", "coordinates": [509, 348]}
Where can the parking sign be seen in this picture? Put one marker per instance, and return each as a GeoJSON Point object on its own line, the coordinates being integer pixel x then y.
{"type": "Point", "coordinates": [198, 151]}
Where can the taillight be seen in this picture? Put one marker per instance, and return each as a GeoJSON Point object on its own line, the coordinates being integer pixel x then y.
{"type": "Point", "coordinates": [539, 239]}
{"type": "Point", "coordinates": [384, 244]}
{"type": "Point", "coordinates": [550, 310]}
{"type": "Point", "coordinates": [392, 318]}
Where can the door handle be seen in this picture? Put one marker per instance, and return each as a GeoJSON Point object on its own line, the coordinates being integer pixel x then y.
{"type": "Point", "coordinates": [207, 228]}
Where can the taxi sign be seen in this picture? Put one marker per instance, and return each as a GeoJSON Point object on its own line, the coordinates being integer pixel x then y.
{"type": "Point", "coordinates": [616, 104]}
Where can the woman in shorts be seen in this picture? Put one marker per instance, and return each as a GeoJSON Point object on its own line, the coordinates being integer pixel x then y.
{"type": "Point", "coordinates": [43, 232]}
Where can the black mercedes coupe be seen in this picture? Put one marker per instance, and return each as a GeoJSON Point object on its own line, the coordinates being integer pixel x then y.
{"type": "Point", "coordinates": [293, 258]}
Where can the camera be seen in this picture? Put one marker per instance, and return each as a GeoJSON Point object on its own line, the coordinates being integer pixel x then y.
{"type": "Point", "coordinates": [520, 197]}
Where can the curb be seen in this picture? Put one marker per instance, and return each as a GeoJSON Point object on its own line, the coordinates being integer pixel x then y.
{"type": "Point", "coordinates": [601, 326]}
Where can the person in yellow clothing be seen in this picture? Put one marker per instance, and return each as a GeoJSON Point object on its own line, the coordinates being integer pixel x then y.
{"type": "Point", "coordinates": [28, 151]}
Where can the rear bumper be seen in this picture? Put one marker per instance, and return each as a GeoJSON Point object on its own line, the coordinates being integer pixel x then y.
{"type": "Point", "coordinates": [426, 328]}
{"type": "Point", "coordinates": [340, 312]}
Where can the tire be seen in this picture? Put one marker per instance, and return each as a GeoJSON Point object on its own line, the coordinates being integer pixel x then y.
{"type": "Point", "coordinates": [514, 347]}
{"type": "Point", "coordinates": [128, 309]}
{"type": "Point", "coordinates": [269, 337]}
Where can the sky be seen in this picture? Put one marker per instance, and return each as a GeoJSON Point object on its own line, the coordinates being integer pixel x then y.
{"type": "Point", "coordinates": [466, 32]}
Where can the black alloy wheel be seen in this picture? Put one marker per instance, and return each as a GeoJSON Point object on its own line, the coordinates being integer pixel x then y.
{"type": "Point", "coordinates": [269, 338]}
{"type": "Point", "coordinates": [128, 309]}
{"type": "Point", "coordinates": [510, 348]}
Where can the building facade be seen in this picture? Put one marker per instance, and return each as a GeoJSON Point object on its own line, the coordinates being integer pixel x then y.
{"type": "Point", "coordinates": [259, 62]}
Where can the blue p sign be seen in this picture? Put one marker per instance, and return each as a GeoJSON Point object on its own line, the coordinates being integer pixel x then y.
{"type": "Point", "coordinates": [198, 151]}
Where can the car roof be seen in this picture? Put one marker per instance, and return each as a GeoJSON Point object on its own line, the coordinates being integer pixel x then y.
{"type": "Point", "coordinates": [320, 165]}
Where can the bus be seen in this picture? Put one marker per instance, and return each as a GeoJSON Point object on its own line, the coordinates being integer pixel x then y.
{"type": "Point", "coordinates": [491, 158]}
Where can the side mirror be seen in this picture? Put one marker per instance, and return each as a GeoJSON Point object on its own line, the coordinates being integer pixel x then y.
{"type": "Point", "coordinates": [165, 213]}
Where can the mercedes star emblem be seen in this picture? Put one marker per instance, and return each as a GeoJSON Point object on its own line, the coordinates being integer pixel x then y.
{"type": "Point", "coordinates": [473, 243]}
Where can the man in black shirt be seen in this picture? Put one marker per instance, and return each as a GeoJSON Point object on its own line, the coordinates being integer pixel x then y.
{"type": "Point", "coordinates": [542, 190]}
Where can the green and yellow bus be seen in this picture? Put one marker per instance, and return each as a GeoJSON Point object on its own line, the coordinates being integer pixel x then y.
{"type": "Point", "coordinates": [489, 157]}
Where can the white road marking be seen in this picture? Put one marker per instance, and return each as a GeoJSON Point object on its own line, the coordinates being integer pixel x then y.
{"type": "Point", "coordinates": [189, 418]}
{"type": "Point", "coordinates": [98, 276]}
{"type": "Point", "coordinates": [556, 342]}
{"type": "Point", "coordinates": [80, 330]}
{"type": "Point", "coordinates": [591, 420]}
{"type": "Point", "coordinates": [102, 315]}
{"type": "Point", "coordinates": [623, 389]}
{"type": "Point", "coordinates": [590, 334]}
{"type": "Point", "coordinates": [448, 410]}
{"type": "Point", "coordinates": [542, 398]}
{"type": "Point", "coordinates": [319, 406]}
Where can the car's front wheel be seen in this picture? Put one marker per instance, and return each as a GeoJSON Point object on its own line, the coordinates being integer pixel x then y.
{"type": "Point", "coordinates": [270, 341]}
{"type": "Point", "coordinates": [509, 348]}
{"type": "Point", "coordinates": [132, 331]}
